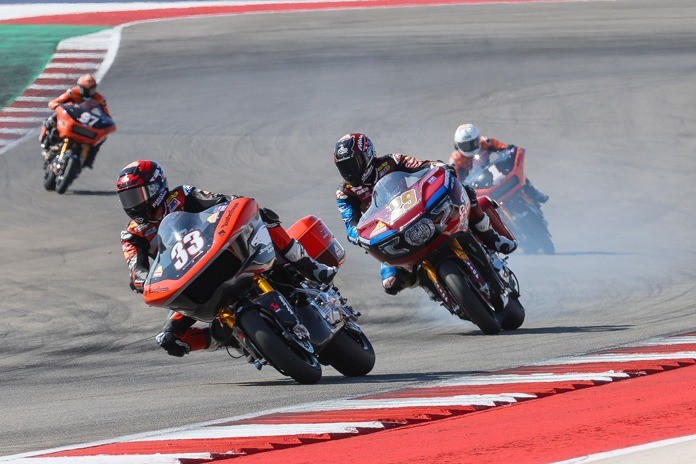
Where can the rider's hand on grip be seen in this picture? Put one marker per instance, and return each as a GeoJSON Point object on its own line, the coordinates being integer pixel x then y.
{"type": "Point", "coordinates": [173, 345]}
{"type": "Point", "coordinates": [137, 280]}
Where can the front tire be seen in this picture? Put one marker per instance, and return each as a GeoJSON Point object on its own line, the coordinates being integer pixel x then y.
{"type": "Point", "coordinates": [513, 315]}
{"type": "Point", "coordinates": [303, 367]}
{"type": "Point", "coordinates": [458, 284]}
{"type": "Point", "coordinates": [350, 353]}
{"type": "Point", "coordinates": [72, 168]}
{"type": "Point", "coordinates": [49, 182]}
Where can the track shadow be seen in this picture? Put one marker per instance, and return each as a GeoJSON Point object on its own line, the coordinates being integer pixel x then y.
{"type": "Point", "coordinates": [94, 193]}
{"type": "Point", "coordinates": [592, 253]}
{"type": "Point", "coordinates": [567, 329]}
{"type": "Point", "coordinates": [333, 378]}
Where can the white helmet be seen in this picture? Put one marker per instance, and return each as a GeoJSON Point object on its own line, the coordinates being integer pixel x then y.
{"type": "Point", "coordinates": [466, 140]}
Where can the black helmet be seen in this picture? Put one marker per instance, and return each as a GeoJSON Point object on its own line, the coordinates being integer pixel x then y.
{"type": "Point", "coordinates": [354, 157]}
{"type": "Point", "coordinates": [142, 188]}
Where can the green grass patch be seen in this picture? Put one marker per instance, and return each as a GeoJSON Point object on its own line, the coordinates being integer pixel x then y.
{"type": "Point", "coordinates": [24, 52]}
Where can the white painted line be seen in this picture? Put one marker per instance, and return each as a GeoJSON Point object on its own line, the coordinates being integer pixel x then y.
{"type": "Point", "coordinates": [98, 55]}
{"type": "Point", "coordinates": [610, 358]}
{"type": "Point", "coordinates": [33, 99]}
{"type": "Point", "coordinates": [608, 376]}
{"type": "Point", "coordinates": [4, 130]}
{"type": "Point", "coordinates": [630, 450]}
{"type": "Point", "coordinates": [266, 430]}
{"type": "Point", "coordinates": [458, 400]}
{"type": "Point", "coordinates": [80, 65]}
{"type": "Point", "coordinates": [50, 75]}
{"type": "Point", "coordinates": [21, 119]}
{"type": "Point", "coordinates": [47, 87]}
{"type": "Point", "coordinates": [121, 458]}
{"type": "Point", "coordinates": [12, 109]}
{"type": "Point", "coordinates": [670, 341]}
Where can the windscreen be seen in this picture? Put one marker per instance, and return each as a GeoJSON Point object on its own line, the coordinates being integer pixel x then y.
{"type": "Point", "coordinates": [391, 187]}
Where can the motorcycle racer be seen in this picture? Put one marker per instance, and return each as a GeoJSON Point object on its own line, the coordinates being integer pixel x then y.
{"type": "Point", "coordinates": [145, 197]}
{"type": "Point", "coordinates": [361, 168]}
{"type": "Point", "coordinates": [86, 88]}
{"type": "Point", "coordinates": [470, 146]}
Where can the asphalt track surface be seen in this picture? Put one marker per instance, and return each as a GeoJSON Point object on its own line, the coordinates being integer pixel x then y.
{"type": "Point", "coordinates": [603, 96]}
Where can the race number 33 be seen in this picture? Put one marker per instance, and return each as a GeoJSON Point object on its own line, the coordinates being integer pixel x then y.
{"type": "Point", "coordinates": [188, 246]}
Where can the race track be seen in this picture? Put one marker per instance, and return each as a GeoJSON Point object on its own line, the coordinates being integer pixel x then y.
{"type": "Point", "coordinates": [602, 94]}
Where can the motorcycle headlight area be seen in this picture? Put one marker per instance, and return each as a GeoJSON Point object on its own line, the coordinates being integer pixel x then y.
{"type": "Point", "coordinates": [420, 232]}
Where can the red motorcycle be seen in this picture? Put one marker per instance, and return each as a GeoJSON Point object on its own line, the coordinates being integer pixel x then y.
{"type": "Point", "coordinates": [80, 127]}
{"type": "Point", "coordinates": [419, 222]}
{"type": "Point", "coordinates": [503, 179]}
{"type": "Point", "coordinates": [220, 267]}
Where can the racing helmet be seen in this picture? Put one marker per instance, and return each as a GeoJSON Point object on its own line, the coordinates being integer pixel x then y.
{"type": "Point", "coordinates": [354, 157]}
{"type": "Point", "coordinates": [467, 140]}
{"type": "Point", "coordinates": [142, 188]}
{"type": "Point", "coordinates": [88, 85]}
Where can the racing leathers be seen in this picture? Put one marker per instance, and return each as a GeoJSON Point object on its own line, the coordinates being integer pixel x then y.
{"type": "Point", "coordinates": [352, 202]}
{"type": "Point", "coordinates": [178, 337]}
{"type": "Point", "coordinates": [487, 147]}
{"type": "Point", "coordinates": [49, 135]}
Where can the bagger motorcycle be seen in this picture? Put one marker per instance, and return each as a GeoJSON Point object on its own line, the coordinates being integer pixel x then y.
{"type": "Point", "coordinates": [80, 127]}
{"type": "Point", "coordinates": [419, 222]}
{"type": "Point", "coordinates": [504, 180]}
{"type": "Point", "coordinates": [220, 267]}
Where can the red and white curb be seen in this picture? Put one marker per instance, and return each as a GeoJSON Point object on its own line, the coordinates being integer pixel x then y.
{"type": "Point", "coordinates": [91, 53]}
{"type": "Point", "coordinates": [342, 418]}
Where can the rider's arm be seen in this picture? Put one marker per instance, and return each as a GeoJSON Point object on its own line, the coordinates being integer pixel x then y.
{"type": "Point", "coordinates": [198, 200]}
{"type": "Point", "coordinates": [349, 207]}
{"type": "Point", "coordinates": [102, 103]}
{"type": "Point", "coordinates": [136, 252]}
{"type": "Point", "coordinates": [64, 98]}
{"type": "Point", "coordinates": [495, 144]}
{"type": "Point", "coordinates": [407, 163]}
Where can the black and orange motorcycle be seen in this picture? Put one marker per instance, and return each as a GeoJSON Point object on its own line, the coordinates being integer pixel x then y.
{"type": "Point", "coordinates": [220, 267]}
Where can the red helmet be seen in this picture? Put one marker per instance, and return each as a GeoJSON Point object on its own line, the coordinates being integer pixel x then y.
{"type": "Point", "coordinates": [354, 157]}
{"type": "Point", "coordinates": [88, 85]}
{"type": "Point", "coordinates": [142, 188]}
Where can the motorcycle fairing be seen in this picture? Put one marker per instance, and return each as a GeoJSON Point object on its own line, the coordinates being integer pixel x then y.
{"type": "Point", "coordinates": [219, 228]}
{"type": "Point", "coordinates": [406, 239]}
{"type": "Point", "coordinates": [84, 123]}
{"type": "Point", "coordinates": [500, 178]}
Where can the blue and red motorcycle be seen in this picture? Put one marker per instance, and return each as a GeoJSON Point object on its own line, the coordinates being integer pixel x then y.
{"type": "Point", "coordinates": [419, 222]}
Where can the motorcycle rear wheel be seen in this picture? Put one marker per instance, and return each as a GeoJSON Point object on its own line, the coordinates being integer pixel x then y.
{"type": "Point", "coordinates": [350, 353]}
{"type": "Point", "coordinates": [302, 367]}
{"type": "Point", "coordinates": [72, 167]}
{"type": "Point", "coordinates": [458, 284]}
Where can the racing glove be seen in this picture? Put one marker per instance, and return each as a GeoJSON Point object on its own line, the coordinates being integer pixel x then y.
{"type": "Point", "coordinates": [172, 344]}
{"type": "Point", "coordinates": [137, 280]}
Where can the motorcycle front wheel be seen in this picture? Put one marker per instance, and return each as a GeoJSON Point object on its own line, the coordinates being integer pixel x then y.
{"type": "Point", "coordinates": [350, 353]}
{"type": "Point", "coordinates": [301, 366]}
{"type": "Point", "coordinates": [458, 284]}
{"type": "Point", "coordinates": [49, 182]}
{"type": "Point", "coordinates": [72, 167]}
{"type": "Point", "coordinates": [513, 315]}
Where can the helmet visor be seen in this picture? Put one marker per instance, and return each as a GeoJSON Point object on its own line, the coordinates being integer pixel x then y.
{"type": "Point", "coordinates": [133, 197]}
{"type": "Point", "coordinates": [468, 148]}
{"type": "Point", "coordinates": [351, 169]}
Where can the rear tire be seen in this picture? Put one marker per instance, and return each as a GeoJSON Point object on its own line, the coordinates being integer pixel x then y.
{"type": "Point", "coordinates": [350, 353]}
{"type": "Point", "coordinates": [303, 367]}
{"type": "Point", "coordinates": [71, 170]}
{"type": "Point", "coordinates": [458, 284]}
{"type": "Point", "coordinates": [513, 315]}
{"type": "Point", "coordinates": [49, 182]}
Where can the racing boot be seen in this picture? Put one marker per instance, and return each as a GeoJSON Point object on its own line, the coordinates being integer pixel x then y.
{"type": "Point", "coordinates": [492, 239]}
{"type": "Point", "coordinates": [308, 267]}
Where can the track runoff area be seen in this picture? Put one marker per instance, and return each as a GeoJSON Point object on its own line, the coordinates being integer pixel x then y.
{"type": "Point", "coordinates": [484, 416]}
